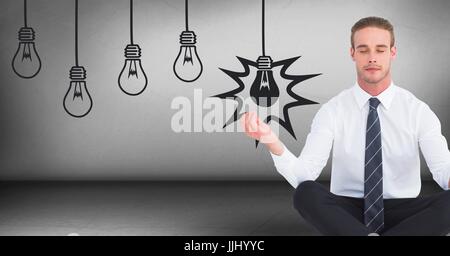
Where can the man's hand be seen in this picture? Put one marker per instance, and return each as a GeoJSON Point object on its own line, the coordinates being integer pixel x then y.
{"type": "Point", "coordinates": [258, 130]}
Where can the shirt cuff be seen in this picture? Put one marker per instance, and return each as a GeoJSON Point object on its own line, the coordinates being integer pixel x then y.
{"type": "Point", "coordinates": [283, 160]}
{"type": "Point", "coordinates": [284, 164]}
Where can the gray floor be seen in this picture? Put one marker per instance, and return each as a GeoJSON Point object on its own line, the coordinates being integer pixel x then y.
{"type": "Point", "coordinates": [152, 208]}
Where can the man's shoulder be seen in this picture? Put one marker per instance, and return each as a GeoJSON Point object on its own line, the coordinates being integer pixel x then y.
{"type": "Point", "coordinates": [343, 96]}
{"type": "Point", "coordinates": [405, 96]}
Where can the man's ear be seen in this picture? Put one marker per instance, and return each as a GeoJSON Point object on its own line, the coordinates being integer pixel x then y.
{"type": "Point", "coordinates": [352, 53]}
{"type": "Point", "coordinates": [393, 52]}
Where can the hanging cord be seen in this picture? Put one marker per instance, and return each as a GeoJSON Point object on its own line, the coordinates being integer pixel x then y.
{"type": "Point", "coordinates": [186, 14]}
{"type": "Point", "coordinates": [263, 31]}
{"type": "Point", "coordinates": [25, 12]}
{"type": "Point", "coordinates": [76, 33]}
{"type": "Point", "coordinates": [131, 21]}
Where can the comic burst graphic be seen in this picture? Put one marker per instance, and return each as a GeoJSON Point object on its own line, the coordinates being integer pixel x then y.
{"type": "Point", "coordinates": [265, 90]}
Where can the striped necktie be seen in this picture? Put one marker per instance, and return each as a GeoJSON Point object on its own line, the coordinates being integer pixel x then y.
{"type": "Point", "coordinates": [373, 171]}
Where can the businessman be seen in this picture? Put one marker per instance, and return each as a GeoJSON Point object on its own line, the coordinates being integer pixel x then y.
{"type": "Point", "coordinates": [376, 129]}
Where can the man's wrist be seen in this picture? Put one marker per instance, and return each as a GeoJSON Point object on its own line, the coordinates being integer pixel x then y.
{"type": "Point", "coordinates": [275, 148]}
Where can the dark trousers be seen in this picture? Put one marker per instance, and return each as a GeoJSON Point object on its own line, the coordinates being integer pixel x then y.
{"type": "Point", "coordinates": [339, 215]}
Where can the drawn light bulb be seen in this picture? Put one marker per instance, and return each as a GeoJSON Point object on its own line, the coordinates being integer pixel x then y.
{"type": "Point", "coordinates": [187, 66]}
{"type": "Point", "coordinates": [264, 90]}
{"type": "Point", "coordinates": [132, 78]}
{"type": "Point", "coordinates": [26, 62]}
{"type": "Point", "coordinates": [77, 101]}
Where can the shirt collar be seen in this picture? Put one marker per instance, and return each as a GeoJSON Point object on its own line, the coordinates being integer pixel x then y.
{"type": "Point", "coordinates": [362, 97]}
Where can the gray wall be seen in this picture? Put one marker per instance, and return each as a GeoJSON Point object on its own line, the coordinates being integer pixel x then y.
{"type": "Point", "coordinates": [130, 137]}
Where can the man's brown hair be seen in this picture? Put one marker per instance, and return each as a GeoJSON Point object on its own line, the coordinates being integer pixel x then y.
{"type": "Point", "coordinates": [376, 22]}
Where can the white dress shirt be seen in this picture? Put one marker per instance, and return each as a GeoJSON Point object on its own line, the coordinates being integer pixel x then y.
{"type": "Point", "coordinates": [406, 124]}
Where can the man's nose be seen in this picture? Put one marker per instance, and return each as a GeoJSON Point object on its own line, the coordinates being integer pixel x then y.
{"type": "Point", "coordinates": [372, 59]}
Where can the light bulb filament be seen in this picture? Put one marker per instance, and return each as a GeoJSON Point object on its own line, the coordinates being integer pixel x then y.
{"type": "Point", "coordinates": [188, 56]}
{"type": "Point", "coordinates": [264, 81]}
{"type": "Point", "coordinates": [77, 92]}
{"type": "Point", "coordinates": [132, 70]}
{"type": "Point", "coordinates": [26, 54]}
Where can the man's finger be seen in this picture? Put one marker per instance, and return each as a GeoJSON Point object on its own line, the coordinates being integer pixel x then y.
{"type": "Point", "coordinates": [264, 128]}
{"type": "Point", "coordinates": [252, 122]}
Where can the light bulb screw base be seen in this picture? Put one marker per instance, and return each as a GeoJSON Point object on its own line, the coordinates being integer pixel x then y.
{"type": "Point", "coordinates": [188, 38]}
{"type": "Point", "coordinates": [77, 73]}
{"type": "Point", "coordinates": [264, 62]}
{"type": "Point", "coordinates": [132, 51]}
{"type": "Point", "coordinates": [26, 34]}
